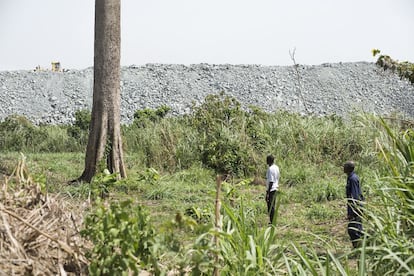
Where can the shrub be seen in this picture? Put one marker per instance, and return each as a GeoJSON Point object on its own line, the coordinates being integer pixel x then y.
{"type": "Point", "coordinates": [82, 119]}
{"type": "Point", "coordinates": [18, 134]}
{"type": "Point", "coordinates": [224, 145]}
{"type": "Point", "coordinates": [223, 152]}
{"type": "Point", "coordinates": [404, 69]}
{"type": "Point", "coordinates": [122, 238]}
{"type": "Point", "coordinates": [80, 129]}
{"type": "Point", "coordinates": [256, 128]}
{"type": "Point", "coordinates": [143, 116]}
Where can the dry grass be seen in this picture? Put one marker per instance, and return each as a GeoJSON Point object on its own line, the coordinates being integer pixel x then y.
{"type": "Point", "coordinates": [39, 233]}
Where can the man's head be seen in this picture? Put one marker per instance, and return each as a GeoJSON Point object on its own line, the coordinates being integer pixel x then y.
{"type": "Point", "coordinates": [270, 160]}
{"type": "Point", "coordinates": [349, 167]}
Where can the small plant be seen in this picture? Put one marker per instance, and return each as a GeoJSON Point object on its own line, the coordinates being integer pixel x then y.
{"type": "Point", "coordinates": [200, 215]}
{"type": "Point", "coordinates": [100, 186]}
{"type": "Point", "coordinates": [246, 248]}
{"type": "Point", "coordinates": [123, 239]}
{"type": "Point", "coordinates": [320, 192]}
{"type": "Point", "coordinates": [150, 175]}
{"type": "Point", "coordinates": [102, 183]}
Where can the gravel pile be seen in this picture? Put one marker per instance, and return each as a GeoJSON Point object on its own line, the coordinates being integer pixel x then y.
{"type": "Point", "coordinates": [339, 88]}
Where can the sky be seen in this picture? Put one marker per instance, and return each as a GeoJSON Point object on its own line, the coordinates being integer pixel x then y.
{"type": "Point", "coordinates": [36, 32]}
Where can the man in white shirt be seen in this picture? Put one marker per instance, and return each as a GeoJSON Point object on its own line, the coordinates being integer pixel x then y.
{"type": "Point", "coordinates": [272, 185]}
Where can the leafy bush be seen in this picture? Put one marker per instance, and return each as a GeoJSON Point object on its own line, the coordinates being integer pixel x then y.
{"type": "Point", "coordinates": [223, 152]}
{"type": "Point", "coordinates": [143, 116]}
{"type": "Point", "coordinates": [19, 134]}
{"type": "Point", "coordinates": [404, 69]}
{"type": "Point", "coordinates": [218, 133]}
{"type": "Point", "coordinates": [80, 129]}
{"type": "Point", "coordinates": [224, 145]}
{"type": "Point", "coordinates": [150, 175]}
{"type": "Point", "coordinates": [122, 238]}
{"type": "Point", "coordinates": [82, 119]}
{"type": "Point", "coordinates": [256, 128]}
{"type": "Point", "coordinates": [102, 183]}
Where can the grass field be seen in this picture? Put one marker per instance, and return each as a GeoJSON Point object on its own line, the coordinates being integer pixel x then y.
{"type": "Point", "coordinates": [311, 213]}
{"type": "Point", "coordinates": [172, 165]}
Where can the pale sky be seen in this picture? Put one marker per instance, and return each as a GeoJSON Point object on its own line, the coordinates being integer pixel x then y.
{"type": "Point", "coordinates": [36, 32]}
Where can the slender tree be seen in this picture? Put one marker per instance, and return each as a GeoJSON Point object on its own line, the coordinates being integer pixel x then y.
{"type": "Point", "coordinates": [105, 143]}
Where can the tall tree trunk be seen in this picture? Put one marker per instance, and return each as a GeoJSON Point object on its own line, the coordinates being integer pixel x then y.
{"type": "Point", "coordinates": [105, 131]}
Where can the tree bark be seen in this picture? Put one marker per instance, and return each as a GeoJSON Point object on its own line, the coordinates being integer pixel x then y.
{"type": "Point", "coordinates": [105, 142]}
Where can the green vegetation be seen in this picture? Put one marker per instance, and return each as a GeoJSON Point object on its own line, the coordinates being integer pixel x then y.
{"type": "Point", "coordinates": [120, 226]}
{"type": "Point", "coordinates": [404, 69]}
{"type": "Point", "coordinates": [80, 128]}
{"type": "Point", "coordinates": [162, 218]}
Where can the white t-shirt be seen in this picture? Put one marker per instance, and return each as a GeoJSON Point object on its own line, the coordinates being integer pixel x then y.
{"type": "Point", "coordinates": [272, 175]}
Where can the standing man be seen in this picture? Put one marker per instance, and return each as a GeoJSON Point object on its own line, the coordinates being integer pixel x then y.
{"type": "Point", "coordinates": [272, 185]}
{"type": "Point", "coordinates": [354, 203]}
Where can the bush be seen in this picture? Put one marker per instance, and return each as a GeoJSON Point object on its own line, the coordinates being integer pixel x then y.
{"type": "Point", "coordinates": [256, 128]}
{"type": "Point", "coordinates": [19, 134]}
{"type": "Point", "coordinates": [404, 69]}
{"type": "Point", "coordinates": [143, 116]}
{"type": "Point", "coordinates": [122, 238]}
{"type": "Point", "coordinates": [224, 145]}
{"type": "Point", "coordinates": [80, 129]}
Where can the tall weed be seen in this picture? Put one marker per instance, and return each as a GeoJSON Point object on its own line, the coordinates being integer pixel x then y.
{"type": "Point", "coordinates": [390, 215]}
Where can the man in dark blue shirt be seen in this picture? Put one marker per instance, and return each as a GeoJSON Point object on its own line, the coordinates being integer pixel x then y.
{"type": "Point", "coordinates": [354, 203]}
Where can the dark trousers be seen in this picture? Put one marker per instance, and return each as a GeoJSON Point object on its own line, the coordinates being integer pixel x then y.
{"type": "Point", "coordinates": [355, 231]}
{"type": "Point", "coordinates": [271, 202]}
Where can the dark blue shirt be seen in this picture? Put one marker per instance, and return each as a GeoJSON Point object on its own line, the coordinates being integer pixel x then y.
{"type": "Point", "coordinates": [353, 195]}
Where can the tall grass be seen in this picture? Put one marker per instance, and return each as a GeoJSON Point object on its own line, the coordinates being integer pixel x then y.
{"type": "Point", "coordinates": [169, 144]}
{"type": "Point", "coordinates": [390, 217]}
{"type": "Point", "coordinates": [218, 134]}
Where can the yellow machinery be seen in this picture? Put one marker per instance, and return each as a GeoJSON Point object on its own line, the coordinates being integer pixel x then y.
{"type": "Point", "coordinates": [56, 66]}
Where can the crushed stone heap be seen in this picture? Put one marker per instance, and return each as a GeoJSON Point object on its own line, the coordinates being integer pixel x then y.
{"type": "Point", "coordinates": [339, 88]}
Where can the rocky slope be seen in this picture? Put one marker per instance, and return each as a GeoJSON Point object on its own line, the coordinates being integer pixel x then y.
{"type": "Point", "coordinates": [340, 88]}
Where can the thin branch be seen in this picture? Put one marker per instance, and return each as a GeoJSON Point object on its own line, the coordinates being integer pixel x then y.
{"type": "Point", "coordinates": [16, 244]}
{"type": "Point", "coordinates": [216, 271]}
{"type": "Point", "coordinates": [298, 77]}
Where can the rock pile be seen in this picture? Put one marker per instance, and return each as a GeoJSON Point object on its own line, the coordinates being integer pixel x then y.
{"type": "Point", "coordinates": [340, 88]}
